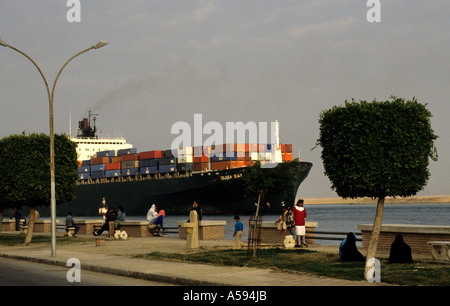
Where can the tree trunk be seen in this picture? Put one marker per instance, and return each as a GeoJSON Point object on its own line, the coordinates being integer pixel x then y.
{"type": "Point", "coordinates": [31, 224]}
{"type": "Point", "coordinates": [373, 243]}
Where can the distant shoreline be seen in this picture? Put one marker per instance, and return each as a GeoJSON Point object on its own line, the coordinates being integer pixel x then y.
{"type": "Point", "coordinates": [389, 200]}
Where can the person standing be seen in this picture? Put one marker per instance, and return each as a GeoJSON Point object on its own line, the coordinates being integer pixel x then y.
{"type": "Point", "coordinates": [300, 221]}
{"type": "Point", "coordinates": [238, 228]}
{"type": "Point", "coordinates": [290, 222]}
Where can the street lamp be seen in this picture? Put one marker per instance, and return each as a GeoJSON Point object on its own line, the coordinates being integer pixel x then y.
{"type": "Point", "coordinates": [52, 133]}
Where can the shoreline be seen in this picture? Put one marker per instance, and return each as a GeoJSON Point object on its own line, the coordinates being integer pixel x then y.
{"type": "Point", "coordinates": [443, 199]}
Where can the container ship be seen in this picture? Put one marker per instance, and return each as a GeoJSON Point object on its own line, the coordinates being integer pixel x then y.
{"type": "Point", "coordinates": [113, 170]}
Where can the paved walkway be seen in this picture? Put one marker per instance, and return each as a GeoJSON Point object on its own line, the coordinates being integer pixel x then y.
{"type": "Point", "coordinates": [113, 258]}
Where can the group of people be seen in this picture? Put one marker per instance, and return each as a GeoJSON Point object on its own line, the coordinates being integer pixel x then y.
{"type": "Point", "coordinates": [111, 216]}
{"type": "Point", "coordinates": [294, 221]}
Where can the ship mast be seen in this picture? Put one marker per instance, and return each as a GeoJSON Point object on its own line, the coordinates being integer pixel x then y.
{"type": "Point", "coordinates": [276, 149]}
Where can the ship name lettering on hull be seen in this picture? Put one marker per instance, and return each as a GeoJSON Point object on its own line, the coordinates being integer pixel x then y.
{"type": "Point", "coordinates": [230, 177]}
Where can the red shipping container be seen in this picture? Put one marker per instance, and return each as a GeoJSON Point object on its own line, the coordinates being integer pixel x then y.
{"type": "Point", "coordinates": [202, 159]}
{"type": "Point", "coordinates": [116, 159]}
{"type": "Point", "coordinates": [129, 157]}
{"type": "Point", "coordinates": [113, 166]}
{"type": "Point", "coordinates": [286, 156]}
{"type": "Point", "coordinates": [99, 160]}
{"type": "Point", "coordinates": [200, 166]}
{"type": "Point", "coordinates": [288, 148]}
{"type": "Point", "coordinates": [152, 154]}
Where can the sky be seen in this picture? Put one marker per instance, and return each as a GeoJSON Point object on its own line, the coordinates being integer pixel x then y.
{"type": "Point", "coordinates": [228, 60]}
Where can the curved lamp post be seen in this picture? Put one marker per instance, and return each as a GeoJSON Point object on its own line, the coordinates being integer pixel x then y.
{"type": "Point", "coordinates": [52, 133]}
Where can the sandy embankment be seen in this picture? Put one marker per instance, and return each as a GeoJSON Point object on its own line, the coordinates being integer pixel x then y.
{"type": "Point", "coordinates": [389, 200]}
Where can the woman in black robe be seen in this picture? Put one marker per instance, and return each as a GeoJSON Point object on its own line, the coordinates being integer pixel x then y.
{"type": "Point", "coordinates": [400, 251]}
{"type": "Point", "coordinates": [349, 252]}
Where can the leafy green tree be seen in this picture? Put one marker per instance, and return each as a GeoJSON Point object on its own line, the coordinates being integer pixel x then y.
{"type": "Point", "coordinates": [25, 170]}
{"type": "Point", "coordinates": [275, 183]}
{"type": "Point", "coordinates": [376, 150]}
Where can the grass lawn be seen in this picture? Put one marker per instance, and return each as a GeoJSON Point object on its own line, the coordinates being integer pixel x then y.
{"type": "Point", "coordinates": [423, 273]}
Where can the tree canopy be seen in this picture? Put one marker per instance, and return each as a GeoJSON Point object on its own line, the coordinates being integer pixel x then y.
{"type": "Point", "coordinates": [25, 170]}
{"type": "Point", "coordinates": [275, 182]}
{"type": "Point", "coordinates": [377, 149]}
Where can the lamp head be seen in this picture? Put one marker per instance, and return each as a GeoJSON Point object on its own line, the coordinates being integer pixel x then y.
{"type": "Point", "coordinates": [100, 44]}
{"type": "Point", "coordinates": [3, 43]}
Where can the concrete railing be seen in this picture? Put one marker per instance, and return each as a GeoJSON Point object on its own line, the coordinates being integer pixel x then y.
{"type": "Point", "coordinates": [416, 236]}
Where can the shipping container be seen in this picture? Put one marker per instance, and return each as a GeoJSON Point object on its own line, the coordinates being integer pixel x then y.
{"type": "Point", "coordinates": [113, 166]}
{"type": "Point", "coordinates": [200, 159]}
{"type": "Point", "coordinates": [200, 166]}
{"type": "Point", "coordinates": [122, 152]}
{"type": "Point", "coordinates": [168, 153]}
{"type": "Point", "coordinates": [167, 168]}
{"type": "Point", "coordinates": [116, 159]}
{"type": "Point", "coordinates": [86, 162]}
{"type": "Point", "coordinates": [99, 167]}
{"type": "Point", "coordinates": [185, 159]}
{"type": "Point", "coordinates": [185, 151]}
{"type": "Point", "coordinates": [109, 153]}
{"type": "Point", "coordinates": [220, 165]}
{"type": "Point", "coordinates": [184, 167]}
{"type": "Point", "coordinates": [167, 161]}
{"type": "Point", "coordinates": [113, 173]}
{"type": "Point", "coordinates": [97, 174]}
{"type": "Point", "coordinates": [129, 171]}
{"type": "Point", "coordinates": [129, 157]}
{"type": "Point", "coordinates": [100, 160]}
{"type": "Point", "coordinates": [152, 154]}
{"type": "Point", "coordinates": [84, 169]}
{"type": "Point", "coordinates": [149, 162]}
{"type": "Point", "coordinates": [130, 164]}
{"type": "Point", "coordinates": [84, 176]}
{"type": "Point", "coordinates": [148, 170]}
{"type": "Point", "coordinates": [286, 156]}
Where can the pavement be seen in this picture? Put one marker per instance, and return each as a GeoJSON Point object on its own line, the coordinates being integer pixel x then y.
{"type": "Point", "coordinates": [115, 258]}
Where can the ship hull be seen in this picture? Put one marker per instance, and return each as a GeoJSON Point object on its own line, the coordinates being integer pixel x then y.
{"type": "Point", "coordinates": [216, 192]}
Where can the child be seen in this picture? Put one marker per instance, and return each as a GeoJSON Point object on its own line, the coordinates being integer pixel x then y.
{"type": "Point", "coordinates": [238, 227]}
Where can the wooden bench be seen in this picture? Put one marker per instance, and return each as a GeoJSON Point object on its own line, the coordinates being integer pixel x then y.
{"type": "Point", "coordinates": [440, 249]}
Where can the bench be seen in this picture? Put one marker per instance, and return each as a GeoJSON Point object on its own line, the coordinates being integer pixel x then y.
{"type": "Point", "coordinates": [156, 230]}
{"type": "Point", "coordinates": [440, 249]}
{"type": "Point", "coordinates": [68, 231]}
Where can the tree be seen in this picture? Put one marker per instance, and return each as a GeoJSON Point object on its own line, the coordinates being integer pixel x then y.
{"type": "Point", "coordinates": [377, 149]}
{"type": "Point", "coordinates": [24, 165]}
{"type": "Point", "coordinates": [275, 183]}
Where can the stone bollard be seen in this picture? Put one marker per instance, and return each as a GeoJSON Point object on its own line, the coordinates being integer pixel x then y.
{"type": "Point", "coordinates": [192, 240]}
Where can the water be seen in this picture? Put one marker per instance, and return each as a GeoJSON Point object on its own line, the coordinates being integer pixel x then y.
{"type": "Point", "coordinates": [335, 218]}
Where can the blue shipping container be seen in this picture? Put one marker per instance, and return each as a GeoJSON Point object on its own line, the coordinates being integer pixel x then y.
{"type": "Point", "coordinates": [99, 167]}
{"type": "Point", "coordinates": [126, 151]}
{"type": "Point", "coordinates": [109, 153]}
{"type": "Point", "coordinates": [113, 173]}
{"type": "Point", "coordinates": [148, 170]}
{"type": "Point", "coordinates": [149, 162]}
{"type": "Point", "coordinates": [97, 174]}
{"type": "Point", "coordinates": [167, 168]}
{"type": "Point", "coordinates": [130, 172]}
{"type": "Point", "coordinates": [84, 169]}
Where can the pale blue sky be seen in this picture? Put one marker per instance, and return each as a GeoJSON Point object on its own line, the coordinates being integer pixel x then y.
{"type": "Point", "coordinates": [235, 60]}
